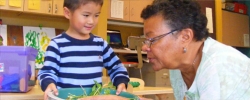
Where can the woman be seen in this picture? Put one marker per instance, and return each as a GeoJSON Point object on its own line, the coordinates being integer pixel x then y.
{"type": "Point", "coordinates": [201, 68]}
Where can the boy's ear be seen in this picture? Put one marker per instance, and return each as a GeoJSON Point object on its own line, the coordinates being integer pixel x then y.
{"type": "Point", "coordinates": [66, 12]}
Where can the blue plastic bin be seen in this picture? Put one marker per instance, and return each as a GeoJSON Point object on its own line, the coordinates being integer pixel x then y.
{"type": "Point", "coordinates": [17, 68]}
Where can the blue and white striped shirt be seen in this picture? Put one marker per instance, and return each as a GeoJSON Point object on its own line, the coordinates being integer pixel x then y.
{"type": "Point", "coordinates": [70, 62]}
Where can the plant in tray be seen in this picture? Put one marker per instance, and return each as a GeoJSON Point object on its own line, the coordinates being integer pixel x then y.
{"type": "Point", "coordinates": [96, 90]}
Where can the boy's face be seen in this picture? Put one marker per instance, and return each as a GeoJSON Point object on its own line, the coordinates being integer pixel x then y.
{"type": "Point", "coordinates": [84, 18]}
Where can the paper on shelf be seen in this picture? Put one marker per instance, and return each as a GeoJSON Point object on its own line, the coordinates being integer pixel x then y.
{"type": "Point", "coordinates": [2, 2]}
{"type": "Point", "coordinates": [39, 39]}
{"type": "Point", "coordinates": [209, 14]}
{"type": "Point", "coordinates": [3, 33]}
{"type": "Point", "coordinates": [15, 3]}
{"type": "Point", "coordinates": [34, 4]}
{"type": "Point", "coordinates": [117, 9]}
{"type": "Point", "coordinates": [246, 40]}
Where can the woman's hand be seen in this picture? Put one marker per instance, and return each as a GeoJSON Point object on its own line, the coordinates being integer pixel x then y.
{"type": "Point", "coordinates": [121, 87]}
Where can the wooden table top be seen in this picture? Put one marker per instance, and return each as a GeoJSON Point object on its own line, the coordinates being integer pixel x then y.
{"type": "Point", "coordinates": [37, 94]}
{"type": "Point", "coordinates": [152, 90]}
{"type": "Point", "coordinates": [34, 94]}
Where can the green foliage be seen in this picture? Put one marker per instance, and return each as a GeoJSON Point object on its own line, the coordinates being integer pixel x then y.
{"type": "Point", "coordinates": [134, 84]}
{"type": "Point", "coordinates": [96, 90]}
{"type": "Point", "coordinates": [74, 97]}
{"type": "Point", "coordinates": [108, 87]}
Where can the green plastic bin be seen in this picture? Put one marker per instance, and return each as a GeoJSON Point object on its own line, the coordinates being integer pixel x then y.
{"type": "Point", "coordinates": [64, 92]}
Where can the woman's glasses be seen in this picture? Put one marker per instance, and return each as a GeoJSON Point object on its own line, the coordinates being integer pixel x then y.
{"type": "Point", "coordinates": [150, 41]}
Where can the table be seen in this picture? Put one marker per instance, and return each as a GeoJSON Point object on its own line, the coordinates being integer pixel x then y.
{"type": "Point", "coordinates": [160, 92]}
{"type": "Point", "coordinates": [34, 94]}
{"type": "Point", "coordinates": [37, 94]}
{"type": "Point", "coordinates": [152, 90]}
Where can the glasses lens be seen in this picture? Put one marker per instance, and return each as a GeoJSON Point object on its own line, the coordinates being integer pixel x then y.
{"type": "Point", "coordinates": [146, 42]}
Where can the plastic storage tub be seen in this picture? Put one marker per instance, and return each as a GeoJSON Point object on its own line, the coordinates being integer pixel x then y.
{"type": "Point", "coordinates": [17, 68]}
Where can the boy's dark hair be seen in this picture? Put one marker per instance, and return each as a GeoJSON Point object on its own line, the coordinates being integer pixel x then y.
{"type": "Point", "coordinates": [72, 5]}
{"type": "Point", "coordinates": [179, 14]}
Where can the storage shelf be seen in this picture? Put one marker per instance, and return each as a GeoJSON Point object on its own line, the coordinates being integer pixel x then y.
{"type": "Point", "coordinates": [124, 23]}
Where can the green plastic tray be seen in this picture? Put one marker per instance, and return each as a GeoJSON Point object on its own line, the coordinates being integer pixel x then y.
{"type": "Point", "coordinates": [64, 92]}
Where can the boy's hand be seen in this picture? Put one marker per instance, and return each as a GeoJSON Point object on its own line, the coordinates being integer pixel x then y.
{"type": "Point", "coordinates": [121, 87]}
{"type": "Point", "coordinates": [51, 87]}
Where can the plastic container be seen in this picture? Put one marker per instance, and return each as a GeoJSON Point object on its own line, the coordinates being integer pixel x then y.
{"type": "Point", "coordinates": [17, 68]}
{"type": "Point", "coordinates": [248, 7]}
{"type": "Point", "coordinates": [64, 92]}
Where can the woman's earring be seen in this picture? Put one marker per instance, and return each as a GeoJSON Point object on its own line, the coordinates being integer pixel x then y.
{"type": "Point", "coordinates": [184, 49]}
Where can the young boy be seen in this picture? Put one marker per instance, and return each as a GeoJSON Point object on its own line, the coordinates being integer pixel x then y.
{"type": "Point", "coordinates": [77, 57]}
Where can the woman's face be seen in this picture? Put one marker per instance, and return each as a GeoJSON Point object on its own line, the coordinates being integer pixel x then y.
{"type": "Point", "coordinates": [163, 52]}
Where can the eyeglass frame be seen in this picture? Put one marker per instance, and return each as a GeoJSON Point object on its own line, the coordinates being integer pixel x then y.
{"type": "Point", "coordinates": [150, 41]}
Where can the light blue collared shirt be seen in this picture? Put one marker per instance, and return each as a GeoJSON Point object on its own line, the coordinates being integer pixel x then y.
{"type": "Point", "coordinates": [223, 74]}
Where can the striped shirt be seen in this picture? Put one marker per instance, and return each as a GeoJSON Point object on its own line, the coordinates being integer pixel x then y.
{"type": "Point", "coordinates": [70, 62]}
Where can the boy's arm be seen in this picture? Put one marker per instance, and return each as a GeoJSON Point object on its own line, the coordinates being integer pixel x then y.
{"type": "Point", "coordinates": [48, 73]}
{"type": "Point", "coordinates": [116, 70]}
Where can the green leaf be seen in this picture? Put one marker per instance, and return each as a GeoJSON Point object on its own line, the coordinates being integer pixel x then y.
{"type": "Point", "coordinates": [106, 91]}
{"type": "Point", "coordinates": [93, 90]}
{"type": "Point", "coordinates": [96, 89]}
{"type": "Point", "coordinates": [111, 86]}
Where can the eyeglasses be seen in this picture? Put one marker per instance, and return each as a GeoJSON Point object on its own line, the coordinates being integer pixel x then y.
{"type": "Point", "coordinates": [150, 41]}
